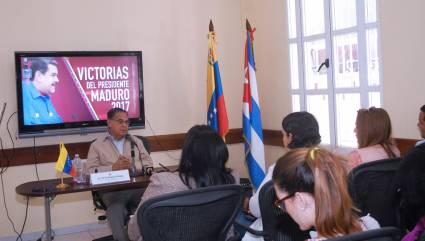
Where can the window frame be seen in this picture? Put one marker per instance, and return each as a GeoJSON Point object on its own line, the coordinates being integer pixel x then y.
{"type": "Point", "coordinates": [363, 89]}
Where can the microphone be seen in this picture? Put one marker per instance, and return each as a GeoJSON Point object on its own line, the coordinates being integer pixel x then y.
{"type": "Point", "coordinates": [133, 162]}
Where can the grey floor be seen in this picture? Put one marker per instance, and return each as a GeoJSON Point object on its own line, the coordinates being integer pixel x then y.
{"type": "Point", "coordinates": [84, 236]}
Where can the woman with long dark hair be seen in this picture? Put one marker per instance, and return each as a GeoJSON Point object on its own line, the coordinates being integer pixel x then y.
{"type": "Point", "coordinates": [202, 164]}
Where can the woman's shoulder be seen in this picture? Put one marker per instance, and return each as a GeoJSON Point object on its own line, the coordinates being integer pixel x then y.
{"type": "Point", "coordinates": [368, 222]}
{"type": "Point", "coordinates": [165, 177]}
{"type": "Point", "coordinates": [372, 153]}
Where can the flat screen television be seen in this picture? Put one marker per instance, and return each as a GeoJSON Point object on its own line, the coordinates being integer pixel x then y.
{"type": "Point", "coordinates": [71, 92]}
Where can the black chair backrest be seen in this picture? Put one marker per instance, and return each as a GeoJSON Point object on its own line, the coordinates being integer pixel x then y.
{"type": "Point", "coordinates": [277, 225]}
{"type": "Point", "coordinates": [380, 234]}
{"type": "Point", "coordinates": [373, 190]}
{"type": "Point", "coordinates": [199, 214]}
{"type": "Point", "coordinates": [146, 143]}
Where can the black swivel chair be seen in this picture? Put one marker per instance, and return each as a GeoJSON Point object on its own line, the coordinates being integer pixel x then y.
{"type": "Point", "coordinates": [277, 225]}
{"type": "Point", "coordinates": [372, 188]}
{"type": "Point", "coordinates": [380, 234]}
{"type": "Point", "coordinates": [199, 214]}
{"type": "Point", "coordinates": [98, 202]}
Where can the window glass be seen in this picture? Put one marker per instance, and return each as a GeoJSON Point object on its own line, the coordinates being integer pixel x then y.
{"type": "Point", "coordinates": [343, 14]}
{"type": "Point", "coordinates": [374, 99]}
{"type": "Point", "coordinates": [292, 26]}
{"type": "Point", "coordinates": [315, 54]}
{"type": "Point", "coordinates": [370, 11]}
{"type": "Point", "coordinates": [318, 105]}
{"type": "Point", "coordinates": [346, 61]}
{"type": "Point", "coordinates": [347, 106]}
{"type": "Point", "coordinates": [313, 17]}
{"type": "Point", "coordinates": [293, 52]}
{"type": "Point", "coordinates": [372, 57]}
{"type": "Point", "coordinates": [296, 106]}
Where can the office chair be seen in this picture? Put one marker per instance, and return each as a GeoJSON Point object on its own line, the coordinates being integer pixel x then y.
{"type": "Point", "coordinates": [380, 234]}
{"type": "Point", "coordinates": [277, 225]}
{"type": "Point", "coordinates": [98, 202]}
{"type": "Point", "coordinates": [372, 188]}
{"type": "Point", "coordinates": [198, 214]}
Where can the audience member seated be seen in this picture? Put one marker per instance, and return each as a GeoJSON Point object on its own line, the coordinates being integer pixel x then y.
{"type": "Point", "coordinates": [299, 129]}
{"type": "Point", "coordinates": [373, 132]}
{"type": "Point", "coordinates": [421, 126]}
{"type": "Point", "coordinates": [311, 186]}
{"type": "Point", "coordinates": [111, 153]}
{"type": "Point", "coordinates": [202, 164]}
{"type": "Point", "coordinates": [411, 180]}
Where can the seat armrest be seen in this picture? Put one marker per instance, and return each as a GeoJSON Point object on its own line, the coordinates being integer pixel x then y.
{"type": "Point", "coordinates": [250, 230]}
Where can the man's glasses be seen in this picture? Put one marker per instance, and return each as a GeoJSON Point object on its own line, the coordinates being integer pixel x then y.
{"type": "Point", "coordinates": [280, 203]}
{"type": "Point", "coordinates": [122, 122]}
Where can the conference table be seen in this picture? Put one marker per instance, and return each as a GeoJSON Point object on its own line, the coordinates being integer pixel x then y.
{"type": "Point", "coordinates": [48, 190]}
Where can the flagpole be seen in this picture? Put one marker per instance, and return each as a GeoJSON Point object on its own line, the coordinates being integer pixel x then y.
{"type": "Point", "coordinates": [251, 120]}
{"type": "Point", "coordinates": [62, 185]}
{"type": "Point", "coordinates": [251, 33]}
{"type": "Point", "coordinates": [216, 107]}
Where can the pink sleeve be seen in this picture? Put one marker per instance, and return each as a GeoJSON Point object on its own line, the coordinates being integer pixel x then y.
{"type": "Point", "coordinates": [154, 188]}
{"type": "Point", "coordinates": [355, 160]}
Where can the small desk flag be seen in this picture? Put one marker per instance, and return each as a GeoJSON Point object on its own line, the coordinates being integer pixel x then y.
{"type": "Point", "coordinates": [64, 162]}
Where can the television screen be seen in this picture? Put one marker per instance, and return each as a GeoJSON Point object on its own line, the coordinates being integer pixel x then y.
{"type": "Point", "coordinates": [71, 92]}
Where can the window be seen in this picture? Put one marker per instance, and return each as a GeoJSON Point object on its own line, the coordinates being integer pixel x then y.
{"type": "Point", "coordinates": [334, 63]}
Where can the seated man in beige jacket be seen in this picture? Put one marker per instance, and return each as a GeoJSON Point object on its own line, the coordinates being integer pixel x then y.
{"type": "Point", "coordinates": [116, 152]}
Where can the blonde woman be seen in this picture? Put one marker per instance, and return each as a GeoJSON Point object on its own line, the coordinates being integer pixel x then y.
{"type": "Point", "coordinates": [311, 186]}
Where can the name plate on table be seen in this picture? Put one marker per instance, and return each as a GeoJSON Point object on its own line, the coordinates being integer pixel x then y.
{"type": "Point", "coordinates": [109, 177]}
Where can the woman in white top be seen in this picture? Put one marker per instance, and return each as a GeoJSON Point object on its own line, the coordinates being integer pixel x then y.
{"type": "Point", "coordinates": [311, 186]}
{"type": "Point", "coordinates": [299, 129]}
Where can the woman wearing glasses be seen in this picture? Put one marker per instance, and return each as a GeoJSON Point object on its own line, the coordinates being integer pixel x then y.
{"type": "Point", "coordinates": [311, 186]}
{"type": "Point", "coordinates": [299, 129]}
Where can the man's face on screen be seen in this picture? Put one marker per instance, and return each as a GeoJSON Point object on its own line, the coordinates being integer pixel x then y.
{"type": "Point", "coordinates": [46, 83]}
{"type": "Point", "coordinates": [118, 125]}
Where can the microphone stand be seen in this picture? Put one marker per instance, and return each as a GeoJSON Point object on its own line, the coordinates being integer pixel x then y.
{"type": "Point", "coordinates": [145, 170]}
{"type": "Point", "coordinates": [133, 171]}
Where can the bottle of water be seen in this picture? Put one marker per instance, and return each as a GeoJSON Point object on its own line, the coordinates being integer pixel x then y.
{"type": "Point", "coordinates": [79, 177]}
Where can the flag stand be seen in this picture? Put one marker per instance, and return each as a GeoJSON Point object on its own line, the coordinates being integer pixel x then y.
{"type": "Point", "coordinates": [62, 185]}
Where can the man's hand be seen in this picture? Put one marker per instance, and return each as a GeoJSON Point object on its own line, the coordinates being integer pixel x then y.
{"type": "Point", "coordinates": [121, 164]}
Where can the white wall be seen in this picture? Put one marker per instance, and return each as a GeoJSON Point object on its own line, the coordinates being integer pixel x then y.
{"type": "Point", "coordinates": [403, 51]}
{"type": "Point", "coordinates": [272, 59]}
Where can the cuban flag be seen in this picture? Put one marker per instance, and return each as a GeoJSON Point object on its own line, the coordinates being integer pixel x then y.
{"type": "Point", "coordinates": [217, 114]}
{"type": "Point", "coordinates": [252, 127]}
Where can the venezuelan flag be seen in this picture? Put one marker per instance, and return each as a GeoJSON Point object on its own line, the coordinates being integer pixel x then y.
{"type": "Point", "coordinates": [217, 114]}
{"type": "Point", "coordinates": [64, 162]}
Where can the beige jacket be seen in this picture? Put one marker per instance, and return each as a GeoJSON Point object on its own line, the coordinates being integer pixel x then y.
{"type": "Point", "coordinates": [103, 153]}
